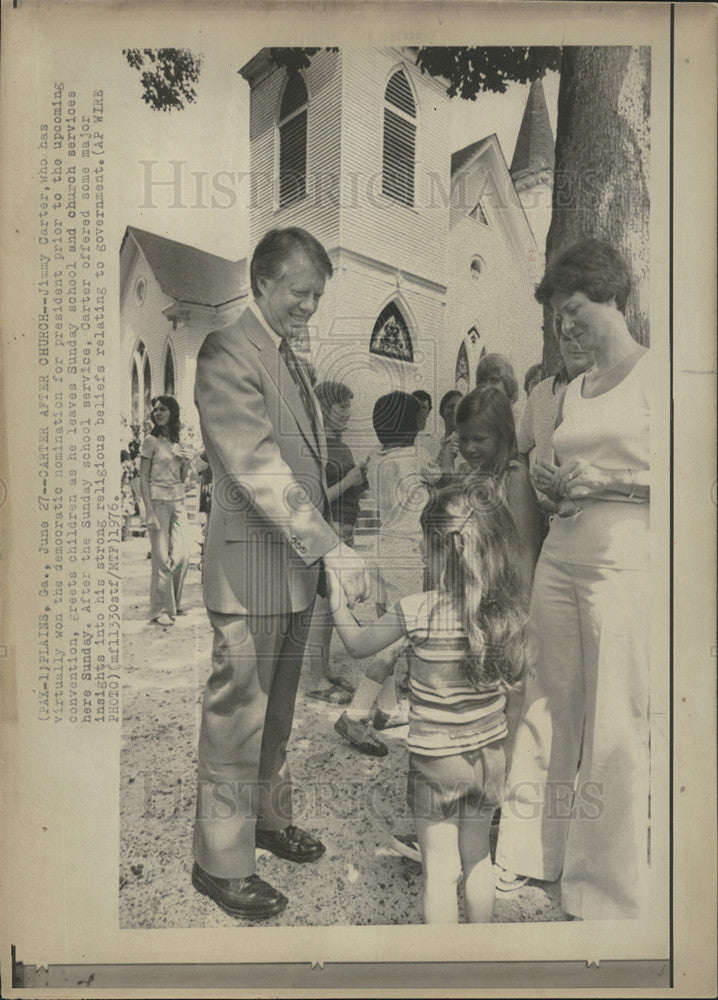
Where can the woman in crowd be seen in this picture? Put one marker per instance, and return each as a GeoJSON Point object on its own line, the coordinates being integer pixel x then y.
{"type": "Point", "coordinates": [346, 482]}
{"type": "Point", "coordinates": [533, 376]}
{"type": "Point", "coordinates": [495, 370]}
{"type": "Point", "coordinates": [588, 701]}
{"type": "Point", "coordinates": [163, 470]}
{"type": "Point", "coordinates": [537, 424]}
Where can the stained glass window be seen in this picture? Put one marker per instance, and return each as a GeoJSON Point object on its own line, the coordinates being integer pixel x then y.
{"type": "Point", "coordinates": [390, 336]}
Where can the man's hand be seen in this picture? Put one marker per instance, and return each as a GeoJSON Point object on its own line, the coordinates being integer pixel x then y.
{"type": "Point", "coordinates": [350, 571]}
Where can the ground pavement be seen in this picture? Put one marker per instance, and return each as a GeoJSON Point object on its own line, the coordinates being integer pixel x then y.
{"type": "Point", "coordinates": [349, 799]}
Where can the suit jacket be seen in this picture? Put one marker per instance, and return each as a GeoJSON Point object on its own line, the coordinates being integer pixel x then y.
{"type": "Point", "coordinates": [266, 530]}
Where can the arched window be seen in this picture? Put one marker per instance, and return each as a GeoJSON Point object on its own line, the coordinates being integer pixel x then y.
{"type": "Point", "coordinates": [390, 336]}
{"type": "Point", "coordinates": [462, 375]}
{"type": "Point", "coordinates": [399, 150]}
{"type": "Point", "coordinates": [147, 386]}
{"type": "Point", "coordinates": [293, 141]}
{"type": "Point", "coordinates": [477, 266]}
{"type": "Point", "coordinates": [135, 393]}
{"type": "Point", "coordinates": [169, 373]}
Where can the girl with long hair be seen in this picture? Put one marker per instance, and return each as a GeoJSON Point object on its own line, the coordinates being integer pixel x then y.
{"type": "Point", "coordinates": [469, 650]}
{"type": "Point", "coordinates": [164, 465]}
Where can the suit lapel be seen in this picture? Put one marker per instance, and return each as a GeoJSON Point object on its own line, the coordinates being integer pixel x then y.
{"type": "Point", "coordinates": [289, 394]}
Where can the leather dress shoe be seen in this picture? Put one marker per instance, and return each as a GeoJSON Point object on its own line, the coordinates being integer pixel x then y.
{"type": "Point", "coordinates": [249, 897]}
{"type": "Point", "coordinates": [291, 843]}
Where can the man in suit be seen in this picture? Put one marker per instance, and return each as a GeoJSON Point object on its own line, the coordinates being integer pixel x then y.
{"type": "Point", "coordinates": [268, 534]}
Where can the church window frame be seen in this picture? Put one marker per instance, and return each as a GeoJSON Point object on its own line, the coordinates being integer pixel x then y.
{"type": "Point", "coordinates": [479, 214]}
{"type": "Point", "coordinates": [399, 140]}
{"type": "Point", "coordinates": [391, 336]}
{"type": "Point", "coordinates": [169, 372]}
{"type": "Point", "coordinates": [292, 141]}
{"type": "Point", "coordinates": [477, 266]}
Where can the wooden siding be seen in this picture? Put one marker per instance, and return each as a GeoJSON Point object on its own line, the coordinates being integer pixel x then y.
{"type": "Point", "coordinates": [319, 210]}
{"type": "Point", "coordinates": [410, 239]}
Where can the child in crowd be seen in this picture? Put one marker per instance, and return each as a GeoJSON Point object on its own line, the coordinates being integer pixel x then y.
{"type": "Point", "coordinates": [467, 637]}
{"type": "Point", "coordinates": [496, 370]}
{"type": "Point", "coordinates": [487, 443]}
{"type": "Point", "coordinates": [400, 490]}
{"type": "Point", "coordinates": [346, 482]}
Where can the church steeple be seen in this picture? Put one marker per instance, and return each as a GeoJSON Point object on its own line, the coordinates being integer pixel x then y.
{"type": "Point", "coordinates": [534, 147]}
{"type": "Point", "coordinates": [533, 162]}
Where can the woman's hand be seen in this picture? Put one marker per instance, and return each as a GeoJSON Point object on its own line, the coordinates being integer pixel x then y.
{"type": "Point", "coordinates": [355, 477]}
{"type": "Point", "coordinates": [543, 476]}
{"type": "Point", "coordinates": [578, 478]}
{"type": "Point", "coordinates": [152, 522]}
{"type": "Point", "coordinates": [448, 451]}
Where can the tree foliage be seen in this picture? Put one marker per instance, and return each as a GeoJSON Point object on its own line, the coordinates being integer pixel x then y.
{"type": "Point", "coordinates": [167, 76]}
{"type": "Point", "coordinates": [470, 70]}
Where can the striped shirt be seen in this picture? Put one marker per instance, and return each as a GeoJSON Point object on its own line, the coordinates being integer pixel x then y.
{"type": "Point", "coordinates": [447, 714]}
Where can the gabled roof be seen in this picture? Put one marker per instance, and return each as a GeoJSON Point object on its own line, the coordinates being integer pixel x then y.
{"type": "Point", "coordinates": [185, 273]}
{"type": "Point", "coordinates": [534, 146]}
{"type": "Point", "coordinates": [462, 157]}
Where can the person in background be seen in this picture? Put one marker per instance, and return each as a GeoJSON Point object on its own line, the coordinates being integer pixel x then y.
{"type": "Point", "coordinates": [495, 370]}
{"type": "Point", "coordinates": [447, 455]}
{"type": "Point", "coordinates": [346, 482]}
{"type": "Point", "coordinates": [127, 493]}
{"type": "Point", "coordinates": [538, 420]}
{"type": "Point", "coordinates": [396, 480]}
{"type": "Point", "coordinates": [590, 614]}
{"type": "Point", "coordinates": [469, 649]}
{"type": "Point", "coordinates": [164, 465]}
{"type": "Point", "coordinates": [532, 378]}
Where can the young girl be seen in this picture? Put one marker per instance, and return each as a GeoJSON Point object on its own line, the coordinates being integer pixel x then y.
{"type": "Point", "coordinates": [467, 637]}
{"type": "Point", "coordinates": [487, 443]}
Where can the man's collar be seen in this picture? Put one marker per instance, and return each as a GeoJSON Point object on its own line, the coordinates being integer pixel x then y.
{"type": "Point", "coordinates": [259, 316]}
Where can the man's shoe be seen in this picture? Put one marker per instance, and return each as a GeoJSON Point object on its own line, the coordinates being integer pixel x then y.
{"type": "Point", "coordinates": [249, 897]}
{"type": "Point", "coordinates": [360, 734]}
{"type": "Point", "coordinates": [291, 843]}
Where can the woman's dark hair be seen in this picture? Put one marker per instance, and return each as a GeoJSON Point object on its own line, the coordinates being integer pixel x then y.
{"type": "Point", "coordinates": [589, 266]}
{"type": "Point", "coordinates": [330, 393]}
{"type": "Point", "coordinates": [446, 398]}
{"type": "Point", "coordinates": [496, 366]}
{"type": "Point", "coordinates": [531, 374]}
{"type": "Point", "coordinates": [395, 419]}
{"type": "Point", "coordinates": [490, 405]}
{"type": "Point", "coordinates": [276, 246]}
{"type": "Point", "coordinates": [173, 426]}
{"type": "Point", "coordinates": [125, 455]}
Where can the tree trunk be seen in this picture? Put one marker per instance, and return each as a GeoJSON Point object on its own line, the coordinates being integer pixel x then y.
{"type": "Point", "coordinates": [602, 167]}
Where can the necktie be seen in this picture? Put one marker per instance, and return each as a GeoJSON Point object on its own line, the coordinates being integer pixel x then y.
{"type": "Point", "coordinates": [300, 379]}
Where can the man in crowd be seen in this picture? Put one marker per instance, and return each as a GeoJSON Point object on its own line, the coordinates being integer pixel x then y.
{"type": "Point", "coordinates": [268, 535]}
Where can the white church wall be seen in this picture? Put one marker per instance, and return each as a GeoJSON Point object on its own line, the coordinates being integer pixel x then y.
{"type": "Point", "coordinates": [340, 342]}
{"type": "Point", "coordinates": [319, 210]}
{"type": "Point", "coordinates": [412, 239]}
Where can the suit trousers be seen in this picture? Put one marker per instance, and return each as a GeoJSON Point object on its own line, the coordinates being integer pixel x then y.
{"type": "Point", "coordinates": [588, 701]}
{"type": "Point", "coordinates": [247, 714]}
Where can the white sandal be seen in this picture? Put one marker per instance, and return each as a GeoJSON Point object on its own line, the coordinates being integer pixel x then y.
{"type": "Point", "coordinates": [507, 881]}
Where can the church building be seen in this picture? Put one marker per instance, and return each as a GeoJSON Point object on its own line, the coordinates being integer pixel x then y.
{"type": "Point", "coordinates": [435, 253]}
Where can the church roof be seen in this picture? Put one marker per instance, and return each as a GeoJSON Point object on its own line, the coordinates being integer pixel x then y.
{"type": "Point", "coordinates": [186, 273]}
{"type": "Point", "coordinates": [461, 157]}
{"type": "Point", "coordinates": [534, 147]}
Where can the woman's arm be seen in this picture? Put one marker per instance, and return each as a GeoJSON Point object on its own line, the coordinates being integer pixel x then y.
{"type": "Point", "coordinates": [145, 469]}
{"type": "Point", "coordinates": [361, 641]}
{"type": "Point", "coordinates": [526, 515]}
{"type": "Point", "coordinates": [578, 478]}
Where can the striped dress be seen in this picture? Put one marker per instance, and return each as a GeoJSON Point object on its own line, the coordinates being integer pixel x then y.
{"type": "Point", "coordinates": [447, 714]}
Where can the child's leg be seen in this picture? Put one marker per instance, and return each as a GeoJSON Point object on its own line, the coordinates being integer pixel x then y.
{"type": "Point", "coordinates": [439, 841]}
{"type": "Point", "coordinates": [479, 883]}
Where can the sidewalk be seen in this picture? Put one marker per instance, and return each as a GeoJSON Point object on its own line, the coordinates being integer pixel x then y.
{"type": "Point", "coordinates": [350, 800]}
